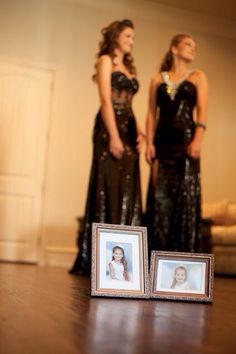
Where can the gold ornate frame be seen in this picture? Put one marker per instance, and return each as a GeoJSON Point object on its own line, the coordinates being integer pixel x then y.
{"type": "Point", "coordinates": [136, 237]}
{"type": "Point", "coordinates": [199, 265]}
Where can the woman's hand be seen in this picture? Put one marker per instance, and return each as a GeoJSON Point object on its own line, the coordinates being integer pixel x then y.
{"type": "Point", "coordinates": [140, 140]}
{"type": "Point", "coordinates": [194, 149]}
{"type": "Point", "coordinates": [116, 147]}
{"type": "Point", "coordinates": [150, 153]}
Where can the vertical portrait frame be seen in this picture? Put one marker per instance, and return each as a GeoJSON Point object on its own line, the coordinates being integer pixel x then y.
{"type": "Point", "coordinates": [133, 241]}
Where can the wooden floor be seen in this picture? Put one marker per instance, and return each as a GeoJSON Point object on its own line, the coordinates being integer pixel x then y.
{"type": "Point", "coordinates": [45, 310]}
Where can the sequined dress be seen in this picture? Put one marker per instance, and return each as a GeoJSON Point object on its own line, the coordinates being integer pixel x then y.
{"type": "Point", "coordinates": [173, 201]}
{"type": "Point", "coordinates": [114, 194]}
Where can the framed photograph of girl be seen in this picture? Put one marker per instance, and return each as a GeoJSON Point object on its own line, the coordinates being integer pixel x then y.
{"type": "Point", "coordinates": [182, 276]}
{"type": "Point", "coordinates": [119, 261]}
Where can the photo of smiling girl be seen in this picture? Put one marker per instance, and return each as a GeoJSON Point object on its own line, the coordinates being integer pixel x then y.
{"type": "Point", "coordinates": [118, 266]}
{"type": "Point", "coordinates": [180, 278]}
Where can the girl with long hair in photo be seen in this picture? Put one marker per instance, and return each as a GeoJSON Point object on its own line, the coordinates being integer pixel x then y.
{"type": "Point", "coordinates": [118, 267]}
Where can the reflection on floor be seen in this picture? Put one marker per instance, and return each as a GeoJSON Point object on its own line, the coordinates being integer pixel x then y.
{"type": "Point", "coordinates": [45, 310]}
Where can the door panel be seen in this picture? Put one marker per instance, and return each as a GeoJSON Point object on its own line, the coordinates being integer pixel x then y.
{"type": "Point", "coordinates": [25, 99]}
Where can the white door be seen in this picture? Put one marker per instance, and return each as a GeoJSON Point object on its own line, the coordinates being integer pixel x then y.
{"type": "Point", "coordinates": [25, 97]}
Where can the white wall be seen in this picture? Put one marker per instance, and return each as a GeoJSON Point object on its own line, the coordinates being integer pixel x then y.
{"type": "Point", "coordinates": [63, 35]}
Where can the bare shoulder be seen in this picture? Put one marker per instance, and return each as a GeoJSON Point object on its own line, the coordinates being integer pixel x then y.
{"type": "Point", "coordinates": [103, 68]}
{"type": "Point", "coordinates": [156, 81]}
{"type": "Point", "coordinates": [104, 61]}
{"type": "Point", "coordinates": [199, 76]}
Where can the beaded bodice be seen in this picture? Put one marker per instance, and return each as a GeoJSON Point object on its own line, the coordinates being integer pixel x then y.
{"type": "Point", "coordinates": [123, 89]}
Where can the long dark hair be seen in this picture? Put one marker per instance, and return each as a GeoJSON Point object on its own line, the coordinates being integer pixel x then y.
{"type": "Point", "coordinates": [109, 43]}
{"type": "Point", "coordinates": [168, 58]}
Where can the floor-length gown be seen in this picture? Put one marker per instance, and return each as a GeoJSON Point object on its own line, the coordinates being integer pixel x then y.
{"type": "Point", "coordinates": [173, 203]}
{"type": "Point", "coordinates": [114, 194]}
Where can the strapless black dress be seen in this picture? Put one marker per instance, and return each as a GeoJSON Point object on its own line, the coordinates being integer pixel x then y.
{"type": "Point", "coordinates": [114, 194]}
{"type": "Point", "coordinates": [173, 202]}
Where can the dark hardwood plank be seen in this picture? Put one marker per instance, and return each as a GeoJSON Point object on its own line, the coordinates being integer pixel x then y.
{"type": "Point", "coordinates": [45, 310]}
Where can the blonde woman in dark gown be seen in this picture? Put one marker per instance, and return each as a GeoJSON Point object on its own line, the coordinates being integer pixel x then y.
{"type": "Point", "coordinates": [174, 140]}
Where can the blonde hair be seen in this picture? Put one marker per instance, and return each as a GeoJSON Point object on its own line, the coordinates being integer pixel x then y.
{"type": "Point", "coordinates": [180, 267]}
{"type": "Point", "coordinates": [167, 61]}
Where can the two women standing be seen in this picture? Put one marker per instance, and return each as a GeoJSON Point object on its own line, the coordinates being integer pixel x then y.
{"type": "Point", "coordinates": [173, 146]}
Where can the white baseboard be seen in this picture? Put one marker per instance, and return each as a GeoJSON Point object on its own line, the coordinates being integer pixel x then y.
{"type": "Point", "coordinates": [59, 256]}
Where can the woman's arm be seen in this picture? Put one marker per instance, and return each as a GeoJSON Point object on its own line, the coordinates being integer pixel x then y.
{"type": "Point", "coordinates": [151, 119]}
{"type": "Point", "coordinates": [140, 138]}
{"type": "Point", "coordinates": [103, 75]}
{"type": "Point", "coordinates": [194, 148]}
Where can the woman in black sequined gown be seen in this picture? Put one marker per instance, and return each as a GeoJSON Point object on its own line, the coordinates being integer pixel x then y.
{"type": "Point", "coordinates": [173, 150]}
{"type": "Point", "coordinates": [114, 189]}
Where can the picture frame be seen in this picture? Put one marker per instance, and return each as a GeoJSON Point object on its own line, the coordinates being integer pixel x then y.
{"type": "Point", "coordinates": [182, 276]}
{"type": "Point", "coordinates": [119, 261]}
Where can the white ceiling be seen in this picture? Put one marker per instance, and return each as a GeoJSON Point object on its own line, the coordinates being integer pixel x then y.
{"type": "Point", "coordinates": [225, 9]}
